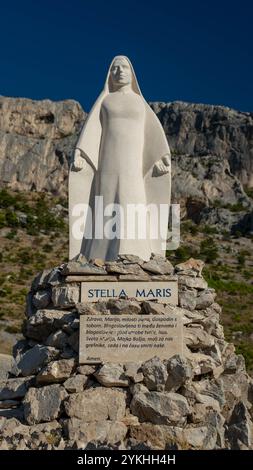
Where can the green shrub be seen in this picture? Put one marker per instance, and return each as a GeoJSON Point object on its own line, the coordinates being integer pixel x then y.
{"type": "Point", "coordinates": [208, 250]}
{"type": "Point", "coordinates": [246, 350]}
{"type": "Point", "coordinates": [11, 219]}
{"type": "Point", "coordinates": [12, 234]}
{"type": "Point", "coordinates": [184, 252]}
{"type": "Point", "coordinates": [189, 227]}
{"type": "Point", "coordinates": [249, 192]}
{"type": "Point", "coordinates": [208, 229]}
{"type": "Point", "coordinates": [247, 274]}
{"type": "Point", "coordinates": [241, 259]}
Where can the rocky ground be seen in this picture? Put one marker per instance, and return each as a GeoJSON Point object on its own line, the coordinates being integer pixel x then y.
{"type": "Point", "coordinates": [49, 401]}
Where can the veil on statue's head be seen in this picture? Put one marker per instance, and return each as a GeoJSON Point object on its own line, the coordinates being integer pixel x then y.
{"type": "Point", "coordinates": [108, 88]}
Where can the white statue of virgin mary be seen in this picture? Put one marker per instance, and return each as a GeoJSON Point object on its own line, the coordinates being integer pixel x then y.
{"type": "Point", "coordinates": [122, 155]}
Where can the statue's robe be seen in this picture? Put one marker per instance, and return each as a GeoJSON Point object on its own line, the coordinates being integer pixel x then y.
{"type": "Point", "coordinates": [121, 141]}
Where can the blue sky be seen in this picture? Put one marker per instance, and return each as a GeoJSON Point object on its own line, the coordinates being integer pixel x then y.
{"type": "Point", "coordinates": [197, 51]}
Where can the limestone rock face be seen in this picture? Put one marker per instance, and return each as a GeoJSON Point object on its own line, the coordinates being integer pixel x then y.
{"type": "Point", "coordinates": [36, 141]}
{"type": "Point", "coordinates": [200, 129]}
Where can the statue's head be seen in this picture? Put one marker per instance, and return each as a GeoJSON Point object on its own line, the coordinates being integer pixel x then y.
{"type": "Point", "coordinates": [120, 72]}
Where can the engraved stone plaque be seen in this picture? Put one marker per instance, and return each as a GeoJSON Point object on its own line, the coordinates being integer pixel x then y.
{"type": "Point", "coordinates": [129, 338]}
{"type": "Point", "coordinates": [163, 291]}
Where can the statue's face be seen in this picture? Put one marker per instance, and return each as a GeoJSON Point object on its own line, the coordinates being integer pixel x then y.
{"type": "Point", "coordinates": [121, 72]}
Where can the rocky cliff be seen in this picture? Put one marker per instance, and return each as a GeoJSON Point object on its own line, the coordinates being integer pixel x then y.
{"type": "Point", "coordinates": [199, 129]}
{"type": "Point", "coordinates": [212, 151]}
{"type": "Point", "coordinates": [36, 140]}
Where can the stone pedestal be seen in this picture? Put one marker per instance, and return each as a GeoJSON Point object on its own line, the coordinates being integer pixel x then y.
{"type": "Point", "coordinates": [198, 399]}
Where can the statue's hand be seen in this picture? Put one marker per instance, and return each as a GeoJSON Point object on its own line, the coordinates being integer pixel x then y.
{"type": "Point", "coordinates": [79, 162]}
{"type": "Point", "coordinates": [162, 166]}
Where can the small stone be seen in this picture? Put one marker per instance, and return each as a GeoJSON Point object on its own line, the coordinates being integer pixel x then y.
{"type": "Point", "coordinates": [54, 277]}
{"type": "Point", "coordinates": [96, 404]}
{"type": "Point", "coordinates": [192, 265]}
{"type": "Point", "coordinates": [73, 267]}
{"type": "Point", "coordinates": [192, 282]}
{"type": "Point", "coordinates": [56, 371]}
{"type": "Point", "coordinates": [207, 401]}
{"type": "Point", "coordinates": [133, 371]}
{"type": "Point", "coordinates": [44, 404]}
{"type": "Point", "coordinates": [130, 420]}
{"type": "Point", "coordinates": [40, 281]}
{"type": "Point", "coordinates": [75, 324]}
{"type": "Point", "coordinates": [35, 358]}
{"type": "Point", "coordinates": [211, 325]}
{"type": "Point", "coordinates": [196, 338]}
{"type": "Point", "coordinates": [149, 433]}
{"type": "Point", "coordinates": [158, 265]}
{"type": "Point", "coordinates": [179, 372]}
{"type": "Point", "coordinates": [121, 268]}
{"type": "Point", "coordinates": [124, 306]}
{"type": "Point", "coordinates": [153, 308]}
{"type": "Point", "coordinates": [111, 375]}
{"type": "Point", "coordinates": [202, 363]}
{"type": "Point", "coordinates": [98, 262]}
{"type": "Point", "coordinates": [10, 413]}
{"type": "Point", "coordinates": [236, 388]}
{"type": "Point", "coordinates": [41, 299]}
{"type": "Point", "coordinates": [65, 296]}
{"type": "Point", "coordinates": [12, 426]}
{"type": "Point", "coordinates": [204, 299]}
{"type": "Point", "coordinates": [200, 410]}
{"type": "Point", "coordinates": [86, 369]}
{"type": "Point", "coordinates": [138, 388]}
{"type": "Point", "coordinates": [7, 362]}
{"type": "Point", "coordinates": [76, 383]}
{"type": "Point", "coordinates": [15, 388]}
{"type": "Point", "coordinates": [132, 259]}
{"type": "Point", "coordinates": [6, 404]}
{"type": "Point", "coordinates": [211, 388]}
{"type": "Point", "coordinates": [187, 299]}
{"type": "Point", "coordinates": [233, 364]}
{"type": "Point", "coordinates": [108, 432]}
{"type": "Point", "coordinates": [202, 437]}
{"type": "Point", "coordinates": [240, 428]}
{"type": "Point", "coordinates": [73, 341]}
{"type": "Point", "coordinates": [44, 322]}
{"type": "Point", "coordinates": [155, 374]}
{"type": "Point", "coordinates": [29, 307]}
{"type": "Point", "coordinates": [57, 340]}
{"type": "Point", "coordinates": [160, 407]}
{"type": "Point", "coordinates": [86, 308]}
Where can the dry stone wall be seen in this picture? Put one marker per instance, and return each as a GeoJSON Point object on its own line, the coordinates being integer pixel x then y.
{"type": "Point", "coordinates": [201, 400]}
